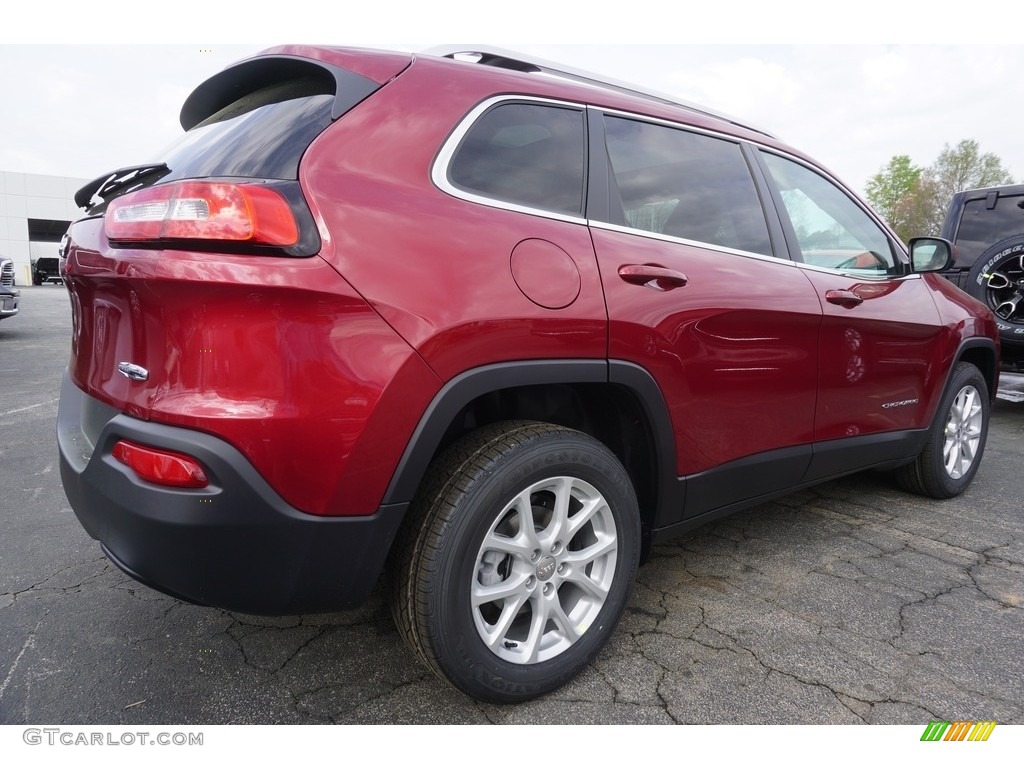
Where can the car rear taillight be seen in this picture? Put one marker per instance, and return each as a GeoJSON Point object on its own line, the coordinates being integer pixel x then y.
{"type": "Point", "coordinates": [161, 467]}
{"type": "Point", "coordinates": [203, 210]}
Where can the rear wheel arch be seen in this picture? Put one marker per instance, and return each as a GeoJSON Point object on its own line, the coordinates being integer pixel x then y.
{"type": "Point", "coordinates": [617, 403]}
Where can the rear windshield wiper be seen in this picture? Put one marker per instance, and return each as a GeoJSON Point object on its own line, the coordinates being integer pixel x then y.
{"type": "Point", "coordinates": [108, 186]}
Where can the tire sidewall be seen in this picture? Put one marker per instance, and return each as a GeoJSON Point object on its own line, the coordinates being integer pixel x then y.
{"type": "Point", "coordinates": [963, 376]}
{"type": "Point", "coordinates": [1010, 333]}
{"type": "Point", "coordinates": [460, 651]}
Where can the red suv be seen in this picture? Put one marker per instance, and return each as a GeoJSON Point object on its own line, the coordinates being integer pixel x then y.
{"type": "Point", "coordinates": [494, 325]}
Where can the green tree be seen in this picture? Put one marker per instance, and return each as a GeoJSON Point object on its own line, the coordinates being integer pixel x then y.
{"type": "Point", "coordinates": [887, 188]}
{"type": "Point", "coordinates": [922, 211]}
{"type": "Point", "coordinates": [966, 167]}
{"type": "Point", "coordinates": [896, 193]}
{"type": "Point", "coordinates": [914, 200]}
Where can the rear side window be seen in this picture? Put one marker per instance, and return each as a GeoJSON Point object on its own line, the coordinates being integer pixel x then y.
{"type": "Point", "coordinates": [527, 154]}
{"type": "Point", "coordinates": [986, 223]}
{"type": "Point", "coordinates": [684, 184]}
{"type": "Point", "coordinates": [260, 135]}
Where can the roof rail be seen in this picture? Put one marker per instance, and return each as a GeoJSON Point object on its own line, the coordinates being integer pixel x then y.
{"type": "Point", "coordinates": [508, 59]}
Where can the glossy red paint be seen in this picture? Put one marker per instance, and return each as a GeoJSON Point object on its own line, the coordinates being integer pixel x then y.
{"type": "Point", "coordinates": [437, 268]}
{"type": "Point", "coordinates": [279, 356]}
{"type": "Point", "coordinates": [319, 369]}
{"type": "Point", "coordinates": [878, 355]}
{"type": "Point", "coordinates": [735, 350]}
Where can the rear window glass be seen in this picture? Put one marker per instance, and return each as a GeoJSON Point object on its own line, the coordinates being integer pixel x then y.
{"type": "Point", "coordinates": [981, 226]}
{"type": "Point", "coordinates": [261, 135]}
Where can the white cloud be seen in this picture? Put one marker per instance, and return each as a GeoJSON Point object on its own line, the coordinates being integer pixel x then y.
{"type": "Point", "coordinates": [82, 110]}
{"type": "Point", "coordinates": [744, 86]}
{"type": "Point", "coordinates": [886, 73]}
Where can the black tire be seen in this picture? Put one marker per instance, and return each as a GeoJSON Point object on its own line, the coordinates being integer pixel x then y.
{"type": "Point", "coordinates": [997, 280]}
{"type": "Point", "coordinates": [956, 439]}
{"type": "Point", "coordinates": [480, 490]}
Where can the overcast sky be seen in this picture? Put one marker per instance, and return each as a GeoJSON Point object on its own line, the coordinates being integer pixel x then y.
{"type": "Point", "coordinates": [82, 110]}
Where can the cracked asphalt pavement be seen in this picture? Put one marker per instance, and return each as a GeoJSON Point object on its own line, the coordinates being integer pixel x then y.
{"type": "Point", "coordinates": [852, 602]}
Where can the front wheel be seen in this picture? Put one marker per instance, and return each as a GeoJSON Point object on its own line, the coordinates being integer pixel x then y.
{"type": "Point", "coordinates": [956, 440]}
{"type": "Point", "coordinates": [519, 560]}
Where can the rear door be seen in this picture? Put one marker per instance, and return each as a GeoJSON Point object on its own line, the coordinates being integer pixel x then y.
{"type": "Point", "coordinates": [697, 297]}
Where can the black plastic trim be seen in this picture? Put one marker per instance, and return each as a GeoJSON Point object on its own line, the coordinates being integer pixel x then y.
{"type": "Point", "coordinates": [992, 374]}
{"type": "Point", "coordinates": [750, 477]}
{"type": "Point", "coordinates": [834, 458]}
{"type": "Point", "coordinates": [709, 497]}
{"type": "Point", "coordinates": [235, 544]}
{"type": "Point", "coordinates": [227, 86]}
{"type": "Point", "coordinates": [465, 388]}
{"type": "Point", "coordinates": [672, 492]}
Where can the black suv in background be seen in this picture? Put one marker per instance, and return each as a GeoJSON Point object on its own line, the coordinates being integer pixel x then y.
{"type": "Point", "coordinates": [987, 228]}
{"type": "Point", "coordinates": [46, 270]}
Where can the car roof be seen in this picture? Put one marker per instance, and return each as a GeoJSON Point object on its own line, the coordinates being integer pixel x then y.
{"type": "Point", "coordinates": [508, 59]}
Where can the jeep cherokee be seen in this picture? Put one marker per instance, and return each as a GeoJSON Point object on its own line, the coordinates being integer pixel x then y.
{"type": "Point", "coordinates": [491, 324]}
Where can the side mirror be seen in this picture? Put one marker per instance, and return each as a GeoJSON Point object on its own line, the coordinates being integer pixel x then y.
{"type": "Point", "coordinates": [930, 254]}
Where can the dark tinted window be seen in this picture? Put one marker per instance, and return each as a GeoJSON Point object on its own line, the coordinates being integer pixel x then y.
{"type": "Point", "coordinates": [685, 184]}
{"type": "Point", "coordinates": [261, 135]}
{"type": "Point", "coordinates": [529, 154]}
{"type": "Point", "coordinates": [982, 226]}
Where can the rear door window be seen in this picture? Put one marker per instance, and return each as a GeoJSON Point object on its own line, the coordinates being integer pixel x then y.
{"type": "Point", "coordinates": [684, 184]}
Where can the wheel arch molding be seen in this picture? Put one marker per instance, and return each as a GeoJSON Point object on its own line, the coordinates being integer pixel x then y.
{"type": "Point", "coordinates": [983, 355]}
{"type": "Point", "coordinates": [622, 398]}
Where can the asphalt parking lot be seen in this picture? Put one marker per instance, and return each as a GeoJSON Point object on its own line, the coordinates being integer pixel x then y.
{"type": "Point", "coordinates": [849, 603]}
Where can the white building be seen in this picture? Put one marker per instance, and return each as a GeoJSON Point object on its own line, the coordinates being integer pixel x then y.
{"type": "Point", "coordinates": [35, 210]}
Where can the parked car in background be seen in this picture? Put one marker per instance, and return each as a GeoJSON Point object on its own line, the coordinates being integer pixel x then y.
{"type": "Point", "coordinates": [494, 325]}
{"type": "Point", "coordinates": [9, 296]}
{"type": "Point", "coordinates": [986, 227]}
{"type": "Point", "coordinates": [6, 273]}
{"type": "Point", "coordinates": [46, 270]}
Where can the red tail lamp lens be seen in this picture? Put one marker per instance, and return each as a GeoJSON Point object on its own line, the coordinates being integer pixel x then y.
{"type": "Point", "coordinates": [203, 210]}
{"type": "Point", "coordinates": [161, 467]}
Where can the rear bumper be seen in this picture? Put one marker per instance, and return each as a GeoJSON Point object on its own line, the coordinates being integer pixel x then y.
{"type": "Point", "coordinates": [9, 304]}
{"type": "Point", "coordinates": [234, 544]}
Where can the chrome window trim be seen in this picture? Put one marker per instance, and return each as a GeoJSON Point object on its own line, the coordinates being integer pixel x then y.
{"type": "Point", "coordinates": [626, 230]}
{"type": "Point", "coordinates": [760, 146]}
{"type": "Point", "coordinates": [853, 197]}
{"type": "Point", "coordinates": [439, 176]}
{"type": "Point", "coordinates": [865, 276]}
{"type": "Point", "coordinates": [439, 170]}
